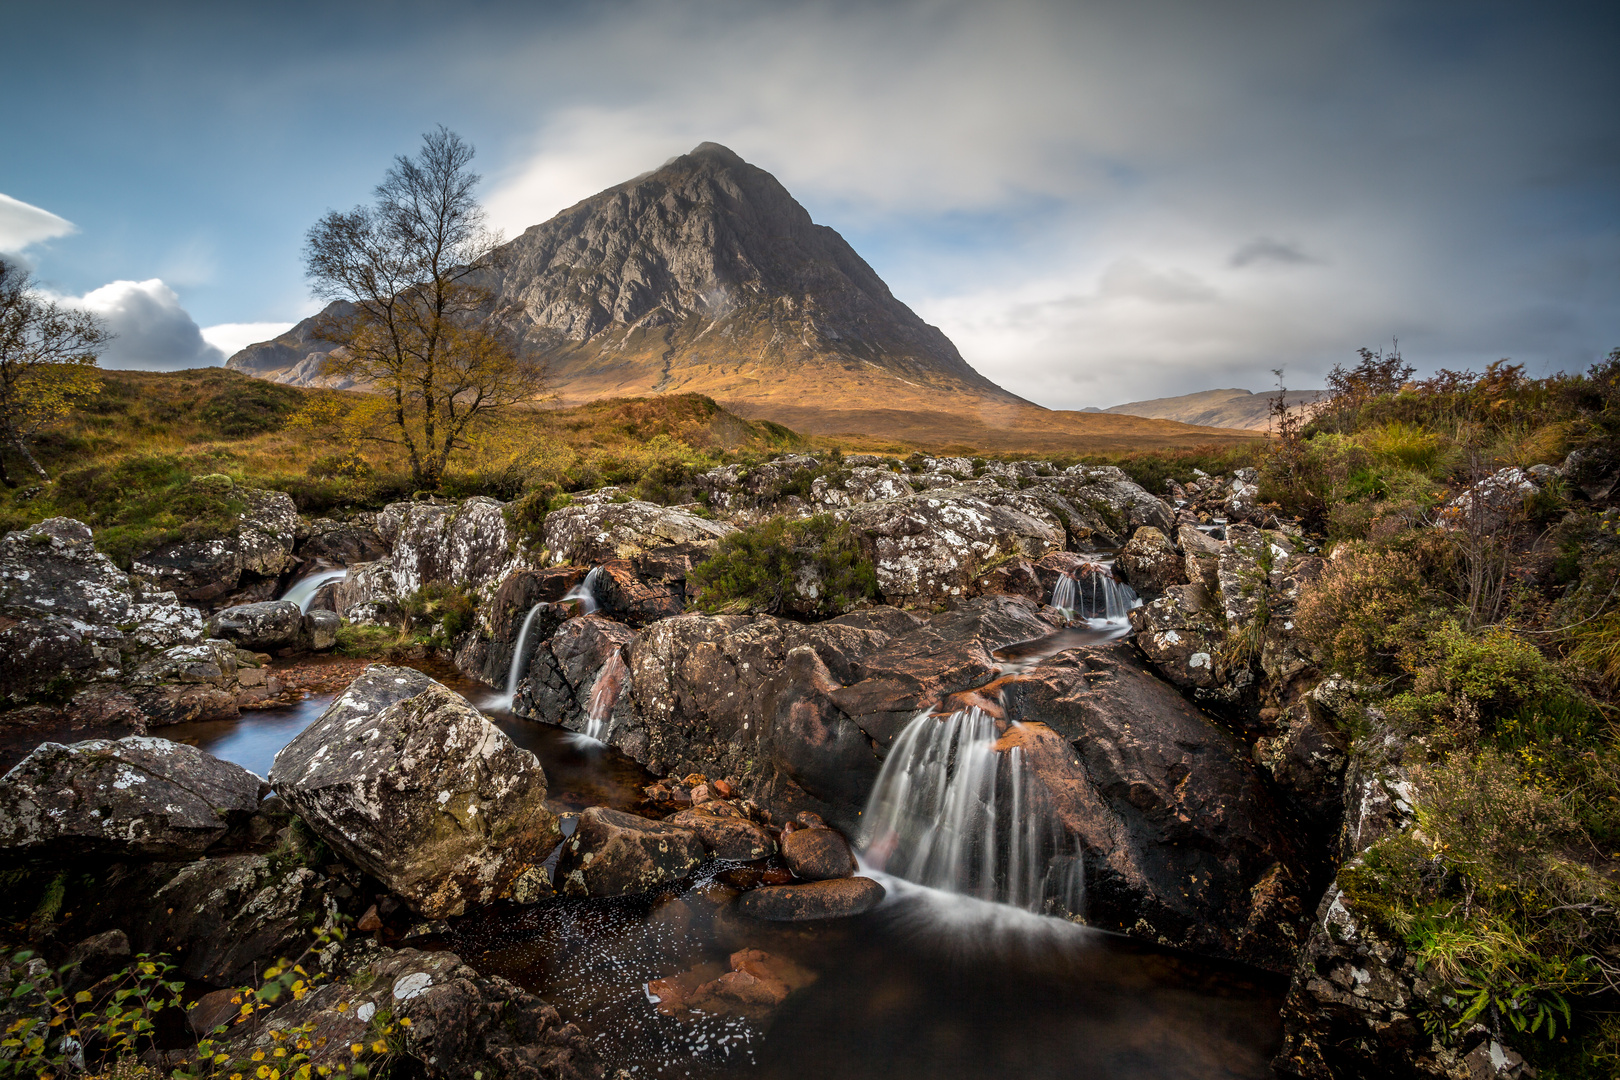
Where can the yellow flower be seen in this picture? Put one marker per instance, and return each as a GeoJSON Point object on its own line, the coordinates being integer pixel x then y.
{"type": "Point", "coordinates": [404, 1021]}
{"type": "Point", "coordinates": [356, 1049]}
{"type": "Point", "coordinates": [379, 1047]}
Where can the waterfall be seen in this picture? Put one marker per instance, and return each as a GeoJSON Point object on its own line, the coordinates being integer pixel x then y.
{"type": "Point", "coordinates": [303, 591]}
{"type": "Point", "coordinates": [585, 592]}
{"type": "Point", "coordinates": [1096, 594]}
{"type": "Point", "coordinates": [952, 812]}
{"type": "Point", "coordinates": [604, 695]}
{"type": "Point", "coordinates": [515, 673]}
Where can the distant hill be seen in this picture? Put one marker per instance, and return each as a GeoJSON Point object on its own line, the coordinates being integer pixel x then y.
{"type": "Point", "coordinates": [1217, 408]}
{"type": "Point", "coordinates": [706, 276]}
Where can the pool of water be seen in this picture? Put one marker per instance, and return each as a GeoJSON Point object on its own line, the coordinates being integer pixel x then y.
{"type": "Point", "coordinates": [927, 985]}
{"type": "Point", "coordinates": [578, 773]}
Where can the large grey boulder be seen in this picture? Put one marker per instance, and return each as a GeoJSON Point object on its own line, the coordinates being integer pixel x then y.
{"type": "Point", "coordinates": [736, 489]}
{"type": "Point", "coordinates": [929, 548]}
{"type": "Point", "coordinates": [1102, 507]}
{"type": "Point", "coordinates": [604, 525]}
{"type": "Point", "coordinates": [136, 796]}
{"type": "Point", "coordinates": [210, 571]}
{"type": "Point", "coordinates": [410, 783]}
{"type": "Point", "coordinates": [273, 624]}
{"type": "Point", "coordinates": [1150, 564]}
{"type": "Point", "coordinates": [859, 485]}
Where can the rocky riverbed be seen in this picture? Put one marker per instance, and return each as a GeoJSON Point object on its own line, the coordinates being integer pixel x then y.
{"type": "Point", "coordinates": [689, 897]}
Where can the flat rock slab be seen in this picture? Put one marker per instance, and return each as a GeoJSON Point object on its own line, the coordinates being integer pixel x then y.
{"type": "Point", "coordinates": [134, 796]}
{"type": "Point", "coordinates": [616, 854]}
{"type": "Point", "coordinates": [818, 854]}
{"type": "Point", "coordinates": [812, 900]}
{"type": "Point", "coordinates": [413, 785]}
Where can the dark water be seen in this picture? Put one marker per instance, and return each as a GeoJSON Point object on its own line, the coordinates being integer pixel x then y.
{"type": "Point", "coordinates": [928, 985]}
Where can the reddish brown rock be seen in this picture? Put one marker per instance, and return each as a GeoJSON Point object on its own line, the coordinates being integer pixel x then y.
{"type": "Point", "coordinates": [817, 854]}
{"type": "Point", "coordinates": [727, 837]}
{"type": "Point", "coordinates": [614, 854]}
{"type": "Point", "coordinates": [812, 900]}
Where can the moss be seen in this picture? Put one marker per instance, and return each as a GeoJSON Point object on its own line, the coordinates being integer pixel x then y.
{"type": "Point", "coordinates": [755, 569]}
{"type": "Point", "coordinates": [364, 642]}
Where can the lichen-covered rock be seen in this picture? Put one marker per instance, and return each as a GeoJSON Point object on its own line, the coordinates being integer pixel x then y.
{"type": "Point", "coordinates": [1201, 554]}
{"type": "Point", "coordinates": [135, 796]}
{"type": "Point", "coordinates": [319, 629]}
{"type": "Point", "coordinates": [463, 1026]}
{"type": "Point", "coordinates": [1102, 507]}
{"type": "Point", "coordinates": [413, 785]}
{"type": "Point", "coordinates": [1244, 575]}
{"type": "Point", "coordinates": [928, 548]}
{"type": "Point", "coordinates": [1489, 504]}
{"type": "Point", "coordinates": [733, 489]}
{"type": "Point", "coordinates": [274, 624]}
{"type": "Point", "coordinates": [1150, 565]}
{"type": "Point", "coordinates": [726, 836]}
{"type": "Point", "coordinates": [616, 854]}
{"type": "Point", "coordinates": [598, 527]}
{"type": "Point", "coordinates": [859, 485]}
{"type": "Point", "coordinates": [812, 900]}
{"type": "Point", "coordinates": [340, 543]}
{"type": "Point", "coordinates": [208, 571]}
{"type": "Point", "coordinates": [562, 672]}
{"type": "Point", "coordinates": [1183, 632]}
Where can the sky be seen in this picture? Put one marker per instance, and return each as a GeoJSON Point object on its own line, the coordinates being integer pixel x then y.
{"type": "Point", "coordinates": [1097, 202]}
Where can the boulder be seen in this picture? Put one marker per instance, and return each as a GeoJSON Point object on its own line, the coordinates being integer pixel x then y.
{"type": "Point", "coordinates": [1593, 471]}
{"type": "Point", "coordinates": [1149, 564]}
{"type": "Point", "coordinates": [1201, 556]}
{"type": "Point", "coordinates": [319, 629]}
{"type": "Point", "coordinates": [929, 548]}
{"type": "Point", "coordinates": [1183, 633]}
{"type": "Point", "coordinates": [726, 837]}
{"type": "Point", "coordinates": [1101, 506]}
{"type": "Point", "coordinates": [817, 854]}
{"type": "Point", "coordinates": [1491, 503]}
{"type": "Point", "coordinates": [275, 624]}
{"type": "Point", "coordinates": [735, 489]}
{"type": "Point", "coordinates": [136, 796]}
{"type": "Point", "coordinates": [340, 543]}
{"type": "Point", "coordinates": [413, 785]}
{"type": "Point", "coordinates": [598, 527]}
{"type": "Point", "coordinates": [463, 1026]}
{"type": "Point", "coordinates": [616, 854]}
{"type": "Point", "coordinates": [812, 900]}
{"type": "Point", "coordinates": [562, 673]}
{"type": "Point", "coordinates": [1182, 842]}
{"type": "Point", "coordinates": [859, 485]}
{"type": "Point", "coordinates": [208, 572]}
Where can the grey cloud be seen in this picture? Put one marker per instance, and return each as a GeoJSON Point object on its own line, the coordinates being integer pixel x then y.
{"type": "Point", "coordinates": [154, 332]}
{"type": "Point", "coordinates": [1263, 250]}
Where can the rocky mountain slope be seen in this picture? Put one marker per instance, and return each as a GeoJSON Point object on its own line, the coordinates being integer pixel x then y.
{"type": "Point", "coordinates": [707, 276]}
{"type": "Point", "coordinates": [1216, 408]}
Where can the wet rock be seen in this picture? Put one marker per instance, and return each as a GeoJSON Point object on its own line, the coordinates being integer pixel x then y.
{"type": "Point", "coordinates": [222, 919]}
{"type": "Point", "coordinates": [319, 629]}
{"type": "Point", "coordinates": [464, 1026]}
{"type": "Point", "coordinates": [1149, 564]}
{"type": "Point", "coordinates": [95, 958]}
{"type": "Point", "coordinates": [643, 590]}
{"type": "Point", "coordinates": [757, 983]}
{"type": "Point", "coordinates": [1181, 840]}
{"type": "Point", "coordinates": [276, 624]}
{"type": "Point", "coordinates": [817, 854]}
{"type": "Point", "coordinates": [734, 838]}
{"type": "Point", "coordinates": [1307, 759]}
{"type": "Point", "coordinates": [563, 672]}
{"type": "Point", "coordinates": [1102, 507]}
{"type": "Point", "coordinates": [413, 785]}
{"type": "Point", "coordinates": [812, 900]}
{"type": "Point", "coordinates": [596, 528]}
{"type": "Point", "coordinates": [929, 548]}
{"type": "Point", "coordinates": [1015, 577]}
{"type": "Point", "coordinates": [136, 796]}
{"type": "Point", "coordinates": [615, 854]}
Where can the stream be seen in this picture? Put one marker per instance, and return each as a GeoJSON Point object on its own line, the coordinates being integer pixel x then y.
{"type": "Point", "coordinates": [929, 984]}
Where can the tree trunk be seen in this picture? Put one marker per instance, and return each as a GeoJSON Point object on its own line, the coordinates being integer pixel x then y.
{"type": "Point", "coordinates": [20, 444]}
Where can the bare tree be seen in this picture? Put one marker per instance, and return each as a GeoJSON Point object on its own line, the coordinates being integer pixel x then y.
{"type": "Point", "coordinates": [419, 328]}
{"type": "Point", "coordinates": [47, 363]}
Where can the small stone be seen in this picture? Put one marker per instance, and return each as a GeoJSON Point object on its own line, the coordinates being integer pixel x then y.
{"type": "Point", "coordinates": [817, 854]}
{"type": "Point", "coordinates": [809, 819]}
{"type": "Point", "coordinates": [531, 886]}
{"type": "Point", "coordinates": [700, 794]}
{"type": "Point", "coordinates": [370, 922]}
{"type": "Point", "coordinates": [723, 788]}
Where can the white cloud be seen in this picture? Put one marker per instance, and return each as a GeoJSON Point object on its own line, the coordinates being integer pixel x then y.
{"type": "Point", "coordinates": [232, 338]}
{"type": "Point", "coordinates": [23, 225]}
{"type": "Point", "coordinates": [154, 332]}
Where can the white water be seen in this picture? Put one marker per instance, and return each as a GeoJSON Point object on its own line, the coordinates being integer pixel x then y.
{"type": "Point", "coordinates": [1096, 595]}
{"type": "Point", "coordinates": [604, 695]}
{"type": "Point", "coordinates": [585, 592]}
{"type": "Point", "coordinates": [515, 673]}
{"type": "Point", "coordinates": [302, 592]}
{"type": "Point", "coordinates": [951, 812]}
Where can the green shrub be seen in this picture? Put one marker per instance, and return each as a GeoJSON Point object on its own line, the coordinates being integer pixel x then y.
{"type": "Point", "coordinates": [447, 608]}
{"type": "Point", "coordinates": [1492, 674]}
{"type": "Point", "coordinates": [772, 566]}
{"type": "Point", "coordinates": [246, 406]}
{"type": "Point", "coordinates": [1364, 610]}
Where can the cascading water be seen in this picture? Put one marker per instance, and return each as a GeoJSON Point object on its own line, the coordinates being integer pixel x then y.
{"type": "Point", "coordinates": [610, 682]}
{"type": "Point", "coordinates": [514, 674]}
{"type": "Point", "coordinates": [1094, 593]}
{"type": "Point", "coordinates": [585, 592]}
{"type": "Point", "coordinates": [953, 812]}
{"type": "Point", "coordinates": [303, 591]}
